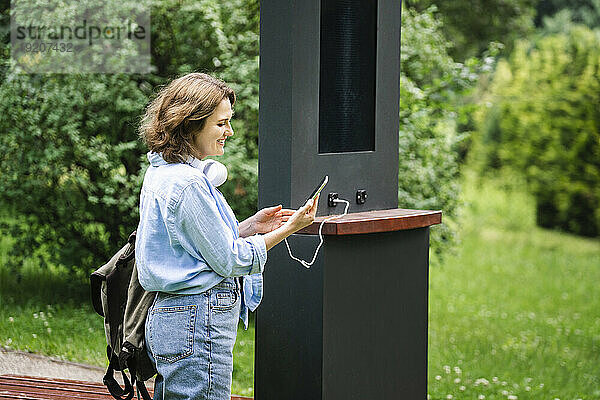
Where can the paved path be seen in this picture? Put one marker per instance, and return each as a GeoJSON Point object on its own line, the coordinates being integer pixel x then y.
{"type": "Point", "coordinates": [14, 362]}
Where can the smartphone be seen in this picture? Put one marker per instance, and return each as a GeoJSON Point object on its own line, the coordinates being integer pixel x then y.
{"type": "Point", "coordinates": [318, 189]}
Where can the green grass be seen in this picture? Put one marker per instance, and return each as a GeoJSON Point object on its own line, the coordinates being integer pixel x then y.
{"type": "Point", "coordinates": [515, 313]}
{"type": "Point", "coordinates": [49, 312]}
{"type": "Point", "coordinates": [243, 361]}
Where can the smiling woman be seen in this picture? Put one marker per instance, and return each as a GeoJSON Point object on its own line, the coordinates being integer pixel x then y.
{"type": "Point", "coordinates": [205, 267]}
{"type": "Point", "coordinates": [174, 121]}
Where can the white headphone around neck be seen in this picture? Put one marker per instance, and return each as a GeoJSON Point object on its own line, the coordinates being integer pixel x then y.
{"type": "Point", "coordinates": [214, 170]}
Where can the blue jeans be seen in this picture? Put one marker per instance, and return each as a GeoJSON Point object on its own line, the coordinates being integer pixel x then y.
{"type": "Point", "coordinates": [190, 339]}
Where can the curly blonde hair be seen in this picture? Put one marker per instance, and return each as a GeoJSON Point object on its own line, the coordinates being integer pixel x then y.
{"type": "Point", "coordinates": [179, 112]}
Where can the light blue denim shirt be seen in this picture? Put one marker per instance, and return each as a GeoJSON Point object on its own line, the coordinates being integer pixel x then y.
{"type": "Point", "coordinates": [188, 237]}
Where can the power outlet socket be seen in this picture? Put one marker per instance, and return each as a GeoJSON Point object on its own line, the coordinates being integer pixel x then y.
{"type": "Point", "coordinates": [330, 199]}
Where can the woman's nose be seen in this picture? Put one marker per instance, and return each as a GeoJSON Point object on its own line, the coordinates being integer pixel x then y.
{"type": "Point", "coordinates": [229, 131]}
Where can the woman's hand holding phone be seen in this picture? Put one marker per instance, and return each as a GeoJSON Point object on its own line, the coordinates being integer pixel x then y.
{"type": "Point", "coordinates": [305, 215]}
{"type": "Point", "coordinates": [292, 221]}
{"type": "Point", "coordinates": [301, 218]}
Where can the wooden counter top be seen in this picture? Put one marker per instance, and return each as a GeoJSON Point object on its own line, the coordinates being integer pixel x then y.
{"type": "Point", "coordinates": [395, 219]}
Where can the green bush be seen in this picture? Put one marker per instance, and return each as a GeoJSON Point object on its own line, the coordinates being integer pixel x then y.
{"type": "Point", "coordinates": [72, 165]}
{"type": "Point", "coordinates": [433, 128]}
{"type": "Point", "coordinates": [542, 119]}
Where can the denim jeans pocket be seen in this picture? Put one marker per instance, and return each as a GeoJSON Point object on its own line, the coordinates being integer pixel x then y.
{"type": "Point", "coordinates": [224, 299]}
{"type": "Point", "coordinates": [171, 332]}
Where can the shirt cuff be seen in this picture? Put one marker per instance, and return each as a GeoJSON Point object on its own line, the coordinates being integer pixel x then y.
{"type": "Point", "coordinates": [260, 254]}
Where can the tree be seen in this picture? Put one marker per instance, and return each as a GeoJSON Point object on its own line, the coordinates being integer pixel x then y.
{"type": "Point", "coordinates": [471, 25]}
{"type": "Point", "coordinates": [543, 120]}
{"type": "Point", "coordinates": [586, 12]}
{"type": "Point", "coordinates": [433, 111]}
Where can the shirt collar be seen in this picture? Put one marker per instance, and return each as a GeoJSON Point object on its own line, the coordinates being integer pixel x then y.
{"type": "Point", "coordinates": [156, 160]}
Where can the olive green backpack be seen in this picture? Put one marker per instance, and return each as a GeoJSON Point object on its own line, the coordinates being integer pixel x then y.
{"type": "Point", "coordinates": [118, 297]}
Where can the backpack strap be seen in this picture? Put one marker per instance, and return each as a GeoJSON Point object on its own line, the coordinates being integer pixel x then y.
{"type": "Point", "coordinates": [131, 238]}
{"type": "Point", "coordinates": [126, 393]}
{"type": "Point", "coordinates": [126, 361]}
{"type": "Point", "coordinates": [141, 387]}
{"type": "Point", "coordinates": [95, 286]}
{"type": "Point", "coordinates": [114, 388]}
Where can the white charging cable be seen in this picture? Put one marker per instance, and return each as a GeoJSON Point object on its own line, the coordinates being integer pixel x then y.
{"type": "Point", "coordinates": [309, 264]}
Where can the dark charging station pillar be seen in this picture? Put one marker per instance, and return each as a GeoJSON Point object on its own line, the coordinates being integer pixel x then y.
{"type": "Point", "coordinates": [354, 326]}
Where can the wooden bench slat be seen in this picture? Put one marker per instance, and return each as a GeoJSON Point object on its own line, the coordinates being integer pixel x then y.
{"type": "Point", "coordinates": [58, 391]}
{"type": "Point", "coordinates": [37, 388]}
{"type": "Point", "coordinates": [36, 380]}
{"type": "Point", "coordinates": [47, 393]}
{"type": "Point", "coordinates": [21, 397]}
{"type": "Point", "coordinates": [50, 385]}
{"type": "Point", "coordinates": [17, 394]}
{"type": "Point", "coordinates": [8, 395]}
{"type": "Point", "coordinates": [23, 387]}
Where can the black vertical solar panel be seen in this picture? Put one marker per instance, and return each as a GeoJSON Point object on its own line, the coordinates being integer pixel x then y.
{"type": "Point", "coordinates": [347, 79]}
